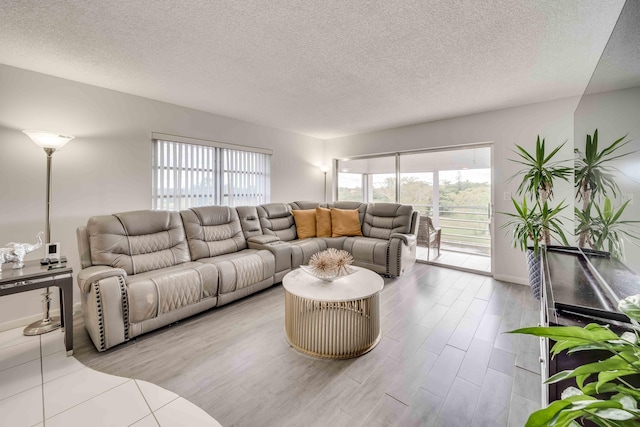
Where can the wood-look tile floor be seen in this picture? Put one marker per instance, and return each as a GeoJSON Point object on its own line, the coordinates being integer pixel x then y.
{"type": "Point", "coordinates": [454, 259]}
{"type": "Point", "coordinates": [443, 359]}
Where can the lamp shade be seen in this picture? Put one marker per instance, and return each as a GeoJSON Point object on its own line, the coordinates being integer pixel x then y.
{"type": "Point", "coordinates": [325, 168]}
{"type": "Point", "coordinates": [48, 139]}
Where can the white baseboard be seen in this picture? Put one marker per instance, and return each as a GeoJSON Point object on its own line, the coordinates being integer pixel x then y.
{"type": "Point", "coordinates": [512, 279]}
{"type": "Point", "coordinates": [24, 321]}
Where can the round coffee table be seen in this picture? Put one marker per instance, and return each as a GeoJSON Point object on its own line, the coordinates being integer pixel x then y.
{"type": "Point", "coordinates": [336, 320]}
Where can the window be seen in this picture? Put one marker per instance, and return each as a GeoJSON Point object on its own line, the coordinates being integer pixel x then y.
{"type": "Point", "coordinates": [187, 174]}
{"type": "Point", "coordinates": [350, 186]}
{"type": "Point", "coordinates": [367, 180]}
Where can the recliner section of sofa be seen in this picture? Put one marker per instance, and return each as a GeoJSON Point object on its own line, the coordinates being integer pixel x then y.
{"type": "Point", "coordinates": [276, 220]}
{"type": "Point", "coordinates": [138, 275]}
{"type": "Point", "coordinates": [145, 269]}
{"type": "Point", "coordinates": [252, 230]}
{"type": "Point", "coordinates": [215, 237]}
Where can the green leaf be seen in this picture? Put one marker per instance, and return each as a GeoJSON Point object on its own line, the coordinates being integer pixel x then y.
{"type": "Point", "coordinates": [635, 393]}
{"type": "Point", "coordinates": [588, 334]}
{"type": "Point", "coordinates": [608, 376]}
{"type": "Point", "coordinates": [614, 414]}
{"type": "Point", "coordinates": [582, 407]}
{"type": "Point", "coordinates": [614, 363]}
{"type": "Point", "coordinates": [543, 416]}
{"type": "Point", "coordinates": [569, 392]}
{"type": "Point", "coordinates": [631, 307]}
{"type": "Point", "coordinates": [608, 211]}
{"type": "Point", "coordinates": [627, 402]}
{"type": "Point", "coordinates": [590, 388]}
{"type": "Point", "coordinates": [629, 337]}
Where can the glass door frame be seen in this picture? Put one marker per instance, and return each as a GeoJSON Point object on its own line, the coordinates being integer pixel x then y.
{"type": "Point", "coordinates": [397, 154]}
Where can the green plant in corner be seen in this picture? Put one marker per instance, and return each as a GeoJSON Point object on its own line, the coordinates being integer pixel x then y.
{"type": "Point", "coordinates": [609, 399]}
{"type": "Point", "coordinates": [539, 173]}
{"type": "Point", "coordinates": [595, 180]}
{"type": "Point", "coordinates": [605, 229]}
{"type": "Point", "coordinates": [529, 225]}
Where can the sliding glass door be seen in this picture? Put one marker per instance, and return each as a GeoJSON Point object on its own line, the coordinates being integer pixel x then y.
{"type": "Point", "coordinates": [368, 179]}
{"type": "Point", "coordinates": [450, 188]}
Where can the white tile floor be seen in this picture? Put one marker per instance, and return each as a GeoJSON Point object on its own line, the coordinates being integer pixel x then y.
{"type": "Point", "coordinates": [41, 386]}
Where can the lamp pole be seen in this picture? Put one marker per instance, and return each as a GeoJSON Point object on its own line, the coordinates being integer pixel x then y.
{"type": "Point", "coordinates": [325, 186]}
{"type": "Point", "coordinates": [49, 142]}
{"type": "Point", "coordinates": [325, 169]}
{"type": "Point", "coordinates": [47, 224]}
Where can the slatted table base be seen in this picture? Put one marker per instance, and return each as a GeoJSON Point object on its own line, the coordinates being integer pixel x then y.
{"type": "Point", "coordinates": [333, 330]}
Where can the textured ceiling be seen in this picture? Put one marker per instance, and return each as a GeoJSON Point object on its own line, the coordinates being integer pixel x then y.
{"type": "Point", "coordinates": [320, 68]}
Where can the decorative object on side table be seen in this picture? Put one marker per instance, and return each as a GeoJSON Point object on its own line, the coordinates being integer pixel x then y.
{"type": "Point", "coordinates": [15, 252]}
{"type": "Point", "coordinates": [50, 142]}
{"type": "Point", "coordinates": [329, 264]}
{"type": "Point", "coordinates": [610, 399]}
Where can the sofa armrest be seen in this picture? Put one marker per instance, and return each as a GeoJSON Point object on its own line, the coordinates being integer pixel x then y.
{"type": "Point", "coordinates": [401, 253]}
{"type": "Point", "coordinates": [105, 305]}
{"type": "Point", "coordinates": [96, 273]}
{"type": "Point", "coordinates": [263, 239]}
{"type": "Point", "coordinates": [280, 250]}
{"type": "Point", "coordinates": [407, 239]}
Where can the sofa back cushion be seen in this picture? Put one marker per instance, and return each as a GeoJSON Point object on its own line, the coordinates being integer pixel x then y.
{"type": "Point", "coordinates": [362, 207]}
{"type": "Point", "coordinates": [276, 219]}
{"type": "Point", "coordinates": [345, 222]}
{"type": "Point", "coordinates": [300, 205]}
{"type": "Point", "coordinates": [323, 222]}
{"type": "Point", "coordinates": [305, 220]}
{"type": "Point", "coordinates": [383, 219]}
{"type": "Point", "coordinates": [138, 241]}
{"type": "Point", "coordinates": [249, 221]}
{"type": "Point", "coordinates": [212, 231]}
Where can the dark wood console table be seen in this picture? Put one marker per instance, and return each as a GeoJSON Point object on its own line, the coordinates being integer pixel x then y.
{"type": "Point", "coordinates": [35, 276]}
{"type": "Point", "coordinates": [580, 287]}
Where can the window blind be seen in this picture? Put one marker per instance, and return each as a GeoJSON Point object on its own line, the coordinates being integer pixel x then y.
{"type": "Point", "coordinates": [188, 175]}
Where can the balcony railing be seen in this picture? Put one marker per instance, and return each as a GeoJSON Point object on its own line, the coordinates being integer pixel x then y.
{"type": "Point", "coordinates": [464, 228]}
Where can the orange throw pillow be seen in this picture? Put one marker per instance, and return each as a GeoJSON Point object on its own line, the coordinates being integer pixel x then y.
{"type": "Point", "coordinates": [323, 222]}
{"type": "Point", "coordinates": [305, 220]}
{"type": "Point", "coordinates": [345, 222]}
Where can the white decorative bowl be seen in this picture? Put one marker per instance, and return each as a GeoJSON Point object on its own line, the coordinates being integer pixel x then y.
{"type": "Point", "coordinates": [310, 272]}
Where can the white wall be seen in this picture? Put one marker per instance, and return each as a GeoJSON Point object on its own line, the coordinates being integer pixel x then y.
{"type": "Point", "coordinates": [107, 168]}
{"type": "Point", "coordinates": [520, 125]}
{"type": "Point", "coordinates": [615, 114]}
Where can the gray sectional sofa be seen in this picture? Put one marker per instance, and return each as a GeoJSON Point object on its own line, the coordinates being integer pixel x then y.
{"type": "Point", "coordinates": [142, 270]}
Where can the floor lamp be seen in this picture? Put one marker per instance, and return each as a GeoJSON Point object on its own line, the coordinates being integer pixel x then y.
{"type": "Point", "coordinates": [50, 142]}
{"type": "Point", "coordinates": [325, 169]}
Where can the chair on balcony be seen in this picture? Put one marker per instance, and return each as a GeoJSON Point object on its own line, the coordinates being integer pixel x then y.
{"type": "Point", "coordinates": [428, 235]}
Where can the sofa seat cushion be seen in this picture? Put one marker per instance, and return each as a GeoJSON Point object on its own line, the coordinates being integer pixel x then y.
{"type": "Point", "coordinates": [367, 249]}
{"type": "Point", "coordinates": [243, 268]}
{"type": "Point", "coordinates": [160, 291]}
{"type": "Point", "coordinates": [301, 250]}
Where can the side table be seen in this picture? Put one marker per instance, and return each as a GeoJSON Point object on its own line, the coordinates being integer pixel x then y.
{"type": "Point", "coordinates": [35, 276]}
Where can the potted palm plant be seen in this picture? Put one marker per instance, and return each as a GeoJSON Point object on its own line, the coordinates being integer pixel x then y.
{"type": "Point", "coordinates": [606, 392]}
{"type": "Point", "coordinates": [529, 227]}
{"type": "Point", "coordinates": [538, 224]}
{"type": "Point", "coordinates": [601, 227]}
